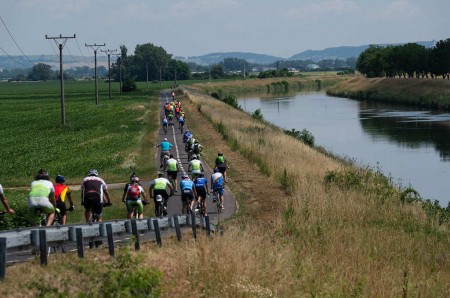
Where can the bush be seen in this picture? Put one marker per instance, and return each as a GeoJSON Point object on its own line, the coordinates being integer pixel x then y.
{"type": "Point", "coordinates": [257, 115]}
{"type": "Point", "coordinates": [304, 136]}
{"type": "Point", "coordinates": [129, 86]}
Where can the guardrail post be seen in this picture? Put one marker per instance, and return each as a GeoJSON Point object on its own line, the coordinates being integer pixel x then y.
{"type": "Point", "coordinates": [137, 245]}
{"type": "Point", "coordinates": [157, 232]}
{"type": "Point", "coordinates": [80, 245]}
{"type": "Point", "coordinates": [43, 246]}
{"type": "Point", "coordinates": [109, 233]}
{"type": "Point", "coordinates": [207, 226]}
{"type": "Point", "coordinates": [194, 225]}
{"type": "Point", "coordinates": [3, 259]}
{"type": "Point", "coordinates": [177, 227]}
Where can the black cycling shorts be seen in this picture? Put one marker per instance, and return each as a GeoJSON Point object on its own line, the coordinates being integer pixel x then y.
{"type": "Point", "coordinates": [187, 195]}
{"type": "Point", "coordinates": [222, 169]}
{"type": "Point", "coordinates": [93, 203]}
{"type": "Point", "coordinates": [173, 175]}
{"type": "Point", "coordinates": [62, 207]}
{"type": "Point", "coordinates": [201, 192]}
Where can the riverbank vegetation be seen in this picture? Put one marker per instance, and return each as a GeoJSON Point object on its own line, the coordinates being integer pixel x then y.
{"type": "Point", "coordinates": [427, 93]}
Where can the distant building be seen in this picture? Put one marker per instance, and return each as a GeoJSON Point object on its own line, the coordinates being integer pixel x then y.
{"type": "Point", "coordinates": [312, 66]}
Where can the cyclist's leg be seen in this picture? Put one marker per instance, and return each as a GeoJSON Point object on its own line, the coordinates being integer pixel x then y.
{"type": "Point", "coordinates": [62, 211]}
{"type": "Point", "coordinates": [140, 209]}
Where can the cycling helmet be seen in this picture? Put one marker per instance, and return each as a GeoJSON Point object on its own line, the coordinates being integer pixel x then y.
{"type": "Point", "coordinates": [194, 156]}
{"type": "Point", "coordinates": [165, 139]}
{"type": "Point", "coordinates": [160, 174]}
{"type": "Point", "coordinates": [60, 179]}
{"type": "Point", "coordinates": [216, 170]}
{"type": "Point", "coordinates": [131, 177]}
{"type": "Point", "coordinates": [42, 172]}
{"type": "Point", "coordinates": [185, 177]}
{"type": "Point", "coordinates": [201, 174]}
{"type": "Point", "coordinates": [220, 153]}
{"type": "Point", "coordinates": [93, 172]}
{"type": "Point", "coordinates": [135, 179]}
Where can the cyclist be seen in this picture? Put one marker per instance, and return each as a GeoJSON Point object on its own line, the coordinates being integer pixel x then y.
{"type": "Point", "coordinates": [217, 185]}
{"type": "Point", "coordinates": [177, 111]}
{"type": "Point", "coordinates": [187, 135]}
{"type": "Point", "coordinates": [196, 166]}
{"type": "Point", "coordinates": [187, 193]}
{"type": "Point", "coordinates": [196, 149]}
{"type": "Point", "coordinates": [221, 164]}
{"type": "Point", "coordinates": [5, 201]}
{"type": "Point", "coordinates": [93, 190]}
{"type": "Point", "coordinates": [172, 167]}
{"type": "Point", "coordinates": [135, 196]}
{"type": "Point", "coordinates": [180, 122]}
{"type": "Point", "coordinates": [165, 150]}
{"type": "Point", "coordinates": [167, 109]}
{"type": "Point", "coordinates": [42, 195]}
{"type": "Point", "coordinates": [62, 191]}
{"type": "Point", "coordinates": [158, 187]}
{"type": "Point", "coordinates": [125, 189]}
{"type": "Point", "coordinates": [201, 190]}
{"type": "Point", "coordinates": [165, 123]}
{"type": "Point", "coordinates": [170, 117]}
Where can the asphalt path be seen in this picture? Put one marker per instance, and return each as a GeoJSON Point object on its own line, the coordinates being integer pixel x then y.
{"type": "Point", "coordinates": [175, 137]}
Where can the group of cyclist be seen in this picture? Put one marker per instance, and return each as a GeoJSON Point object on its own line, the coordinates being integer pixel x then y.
{"type": "Point", "coordinates": [173, 110]}
{"type": "Point", "coordinates": [49, 197]}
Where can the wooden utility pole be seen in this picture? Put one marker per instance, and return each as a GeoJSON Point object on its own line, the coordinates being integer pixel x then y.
{"type": "Point", "coordinates": [109, 52]}
{"type": "Point", "coordinates": [61, 46]}
{"type": "Point", "coordinates": [95, 48]}
{"type": "Point", "coordinates": [120, 70]}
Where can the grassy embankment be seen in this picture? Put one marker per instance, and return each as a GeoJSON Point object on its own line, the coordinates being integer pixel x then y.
{"type": "Point", "coordinates": [428, 93]}
{"type": "Point", "coordinates": [330, 230]}
{"type": "Point", "coordinates": [115, 137]}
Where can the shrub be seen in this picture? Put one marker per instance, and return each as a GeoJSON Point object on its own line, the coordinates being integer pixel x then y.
{"type": "Point", "coordinates": [129, 86]}
{"type": "Point", "coordinates": [304, 136]}
{"type": "Point", "coordinates": [257, 115]}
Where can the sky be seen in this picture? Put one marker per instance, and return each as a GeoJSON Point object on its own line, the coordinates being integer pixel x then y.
{"type": "Point", "coordinates": [280, 28]}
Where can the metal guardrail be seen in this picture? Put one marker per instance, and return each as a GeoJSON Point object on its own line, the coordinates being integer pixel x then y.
{"type": "Point", "coordinates": [44, 237]}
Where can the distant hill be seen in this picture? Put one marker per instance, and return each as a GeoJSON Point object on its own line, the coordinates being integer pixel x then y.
{"type": "Point", "coordinates": [215, 58]}
{"type": "Point", "coordinates": [69, 61]}
{"type": "Point", "coordinates": [343, 52]}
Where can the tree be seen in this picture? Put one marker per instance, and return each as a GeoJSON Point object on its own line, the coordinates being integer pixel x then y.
{"type": "Point", "coordinates": [440, 59]}
{"type": "Point", "coordinates": [41, 72]}
{"type": "Point", "coordinates": [370, 62]}
{"type": "Point", "coordinates": [217, 71]}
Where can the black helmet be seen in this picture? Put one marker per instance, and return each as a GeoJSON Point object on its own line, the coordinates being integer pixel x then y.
{"type": "Point", "coordinates": [160, 174]}
{"type": "Point", "coordinates": [60, 179]}
{"type": "Point", "coordinates": [42, 175]}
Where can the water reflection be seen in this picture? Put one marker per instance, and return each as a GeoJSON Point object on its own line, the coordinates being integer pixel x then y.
{"type": "Point", "coordinates": [411, 129]}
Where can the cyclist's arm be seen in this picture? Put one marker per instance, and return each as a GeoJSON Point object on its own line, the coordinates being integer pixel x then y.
{"type": "Point", "coordinates": [150, 190]}
{"type": "Point", "coordinates": [51, 198]}
{"type": "Point", "coordinates": [6, 205]}
{"type": "Point", "coordinates": [69, 196]}
{"type": "Point", "coordinates": [108, 198]}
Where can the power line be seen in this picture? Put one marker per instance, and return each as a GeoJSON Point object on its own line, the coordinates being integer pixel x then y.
{"type": "Point", "coordinates": [85, 60]}
{"type": "Point", "coordinates": [15, 61]}
{"type": "Point", "coordinates": [51, 45]}
{"type": "Point", "coordinates": [15, 41]}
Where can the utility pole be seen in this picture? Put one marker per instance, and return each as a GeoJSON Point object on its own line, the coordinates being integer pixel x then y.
{"type": "Point", "coordinates": [120, 70]}
{"type": "Point", "coordinates": [61, 46]}
{"type": "Point", "coordinates": [209, 70]}
{"type": "Point", "coordinates": [109, 52]}
{"type": "Point", "coordinates": [95, 47]}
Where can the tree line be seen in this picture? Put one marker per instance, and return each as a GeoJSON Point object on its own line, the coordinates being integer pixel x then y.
{"type": "Point", "coordinates": [407, 60]}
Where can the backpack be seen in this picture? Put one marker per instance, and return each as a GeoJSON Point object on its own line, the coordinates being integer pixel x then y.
{"type": "Point", "coordinates": [133, 192]}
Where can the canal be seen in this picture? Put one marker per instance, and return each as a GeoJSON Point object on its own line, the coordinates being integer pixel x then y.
{"type": "Point", "coordinates": [408, 144]}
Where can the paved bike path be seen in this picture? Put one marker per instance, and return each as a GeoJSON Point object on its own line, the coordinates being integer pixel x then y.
{"type": "Point", "coordinates": [175, 136]}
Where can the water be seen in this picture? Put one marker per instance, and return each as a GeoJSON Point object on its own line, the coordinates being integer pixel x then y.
{"type": "Point", "coordinates": [410, 145]}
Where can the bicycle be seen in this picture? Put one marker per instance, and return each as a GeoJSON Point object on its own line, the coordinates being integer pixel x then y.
{"type": "Point", "coordinates": [159, 206]}
{"type": "Point", "coordinates": [41, 221]}
{"type": "Point", "coordinates": [181, 127]}
{"type": "Point", "coordinates": [165, 128]}
{"type": "Point", "coordinates": [216, 199]}
{"type": "Point", "coordinates": [93, 218]}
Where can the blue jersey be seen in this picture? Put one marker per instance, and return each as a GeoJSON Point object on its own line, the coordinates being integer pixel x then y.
{"type": "Point", "coordinates": [181, 120]}
{"type": "Point", "coordinates": [186, 184]}
{"type": "Point", "coordinates": [165, 121]}
{"type": "Point", "coordinates": [200, 183]}
{"type": "Point", "coordinates": [186, 136]}
{"type": "Point", "coordinates": [165, 146]}
{"type": "Point", "coordinates": [217, 180]}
